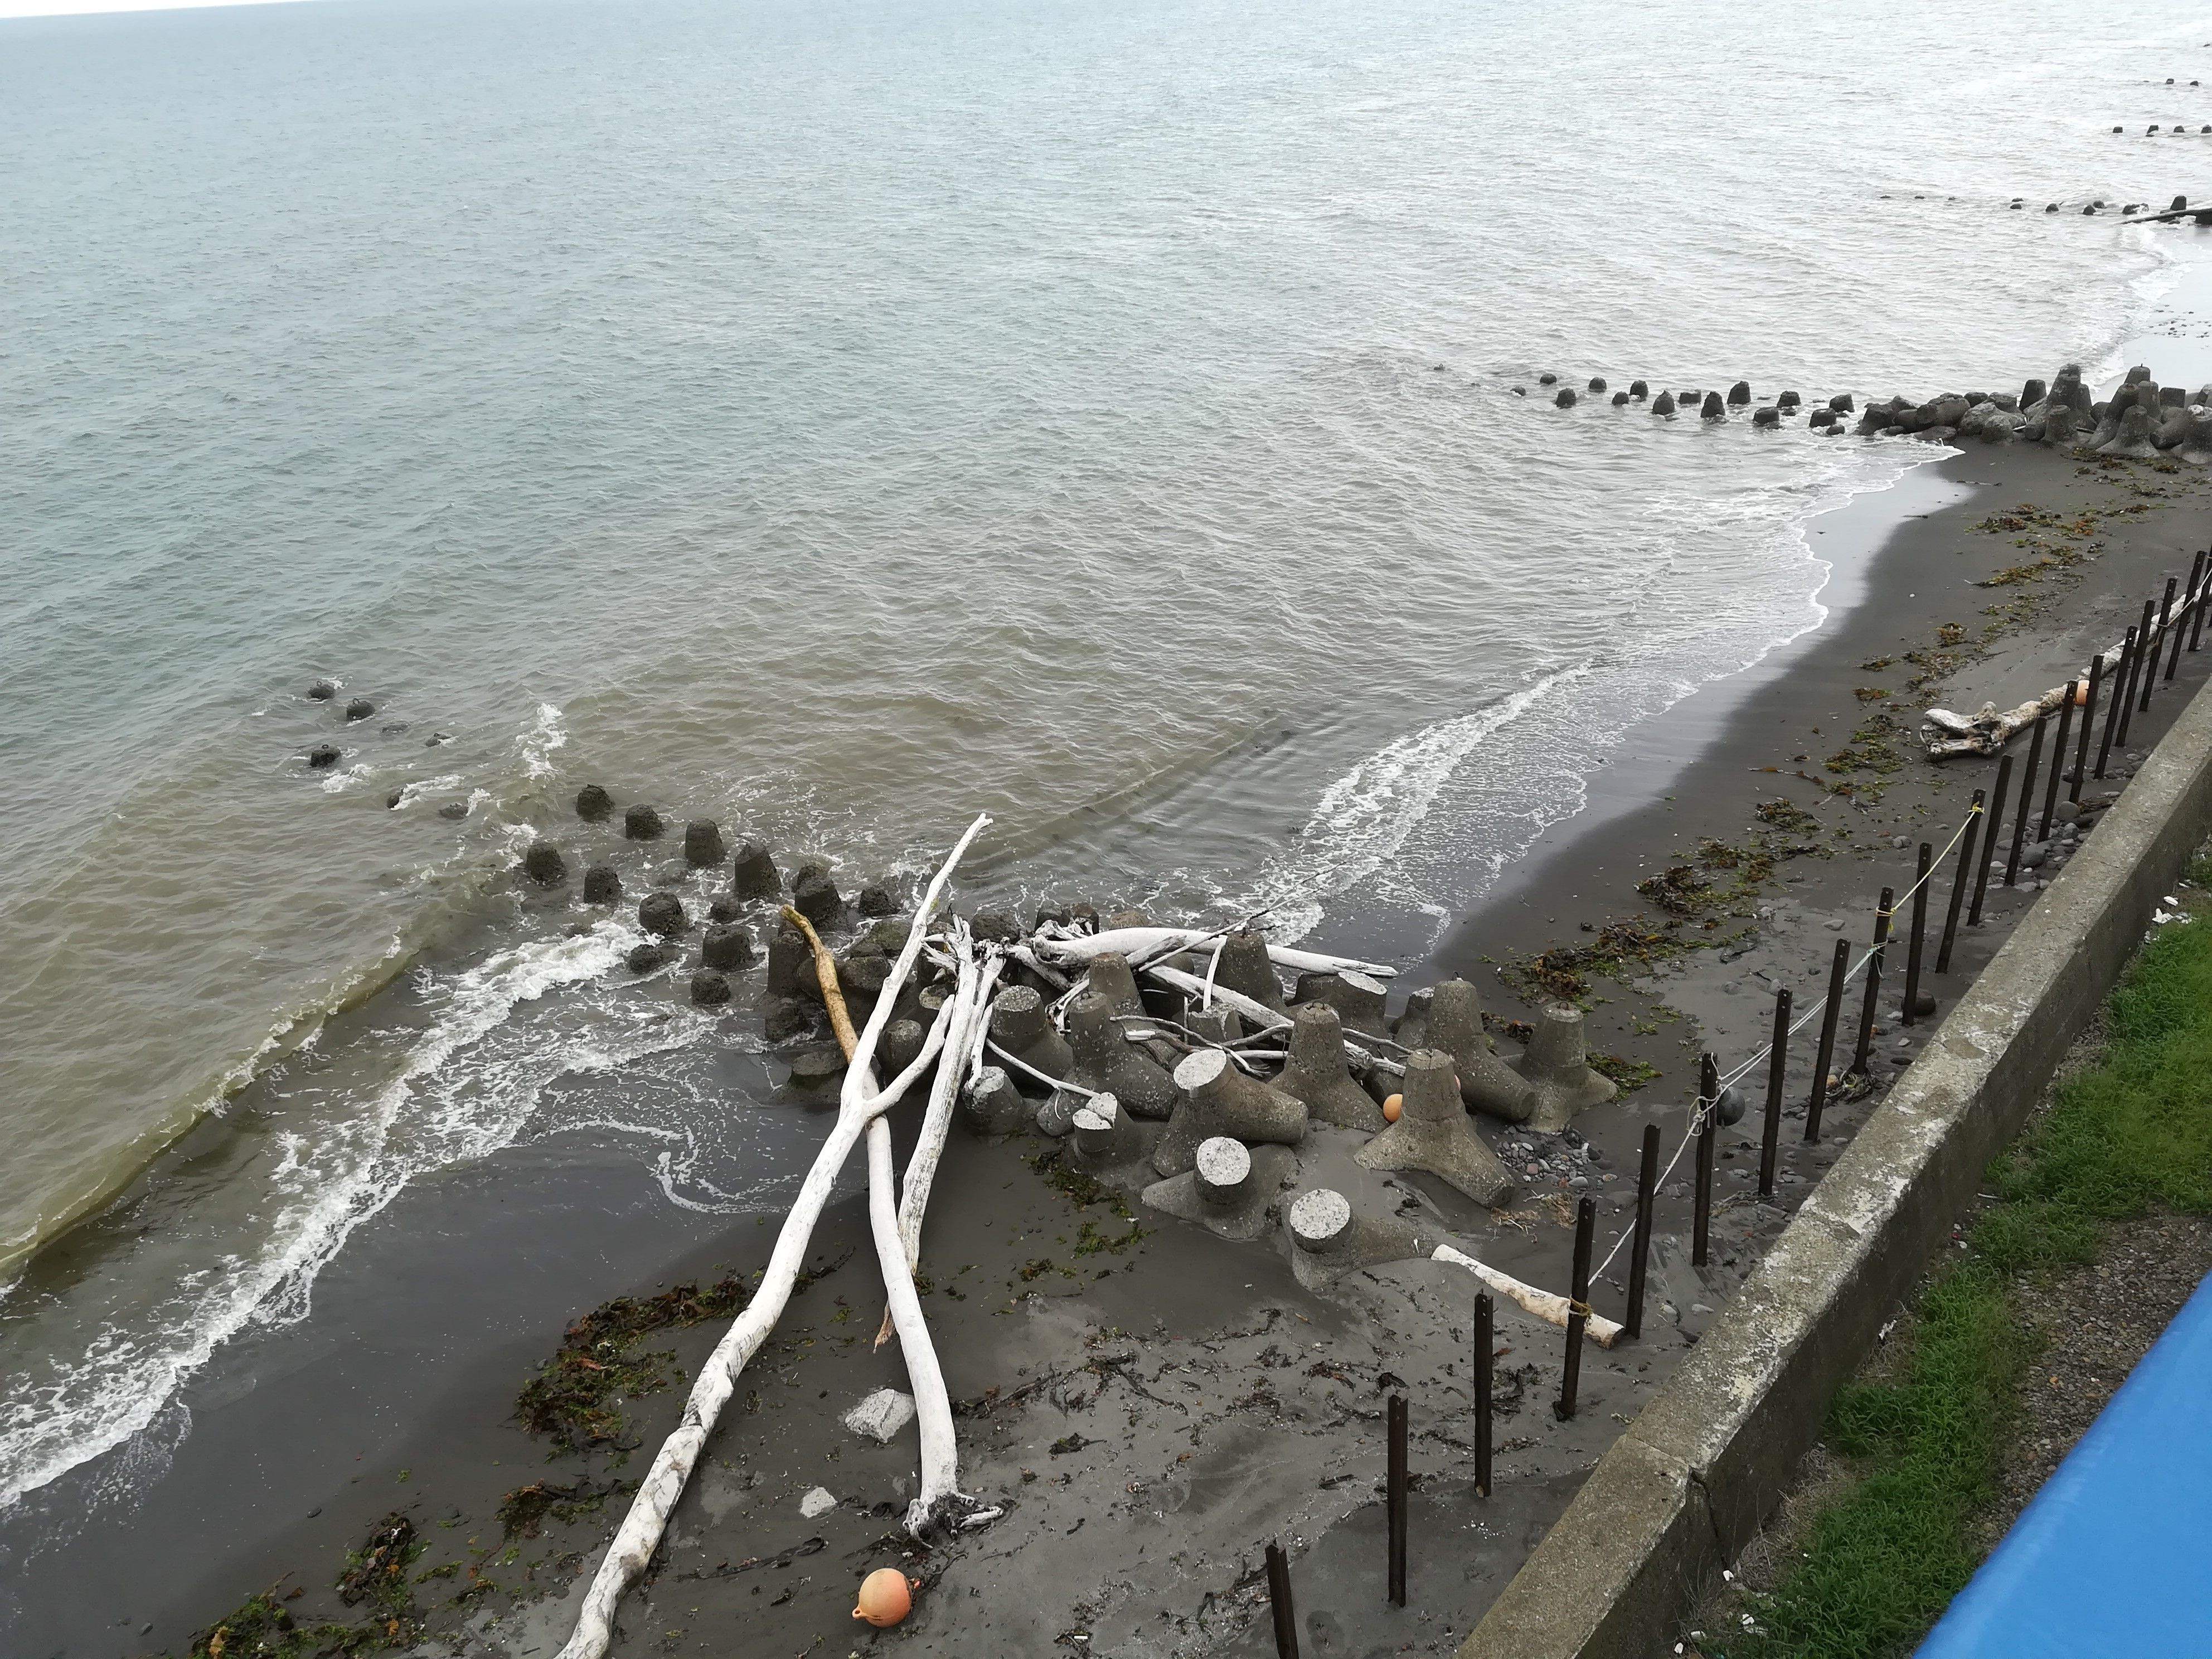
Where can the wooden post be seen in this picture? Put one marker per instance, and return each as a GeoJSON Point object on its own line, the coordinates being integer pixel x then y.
{"type": "Point", "coordinates": [1829, 1020]}
{"type": "Point", "coordinates": [1398, 1480]}
{"type": "Point", "coordinates": [2057, 764]}
{"type": "Point", "coordinates": [1917, 943]}
{"type": "Point", "coordinates": [1578, 1305]}
{"type": "Point", "coordinates": [1279, 1602]}
{"type": "Point", "coordinates": [1639, 1249]}
{"type": "Point", "coordinates": [2117, 705]}
{"type": "Point", "coordinates": [1958, 883]}
{"type": "Point", "coordinates": [2197, 621]}
{"type": "Point", "coordinates": [1989, 848]}
{"type": "Point", "coordinates": [2189, 597]}
{"type": "Point", "coordinates": [2157, 637]}
{"type": "Point", "coordinates": [2089, 726]}
{"type": "Point", "coordinates": [2020, 812]}
{"type": "Point", "coordinates": [1708, 1117]}
{"type": "Point", "coordinates": [2144, 648]}
{"type": "Point", "coordinates": [1485, 1344]}
{"type": "Point", "coordinates": [1778, 1061]}
{"type": "Point", "coordinates": [1865, 1048]}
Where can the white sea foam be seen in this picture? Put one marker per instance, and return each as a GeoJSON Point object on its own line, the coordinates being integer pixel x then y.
{"type": "Point", "coordinates": [464, 1086]}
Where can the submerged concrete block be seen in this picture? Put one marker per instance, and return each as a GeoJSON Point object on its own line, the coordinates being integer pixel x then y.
{"type": "Point", "coordinates": [1329, 1238]}
{"type": "Point", "coordinates": [1109, 1145]}
{"type": "Point", "coordinates": [1244, 968]}
{"type": "Point", "coordinates": [753, 874]}
{"type": "Point", "coordinates": [991, 1106]}
{"type": "Point", "coordinates": [1229, 1190]}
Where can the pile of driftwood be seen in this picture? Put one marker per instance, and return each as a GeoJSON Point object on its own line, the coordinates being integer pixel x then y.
{"type": "Point", "coordinates": [1182, 1104]}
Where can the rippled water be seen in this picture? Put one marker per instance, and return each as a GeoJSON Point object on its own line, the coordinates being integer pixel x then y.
{"type": "Point", "coordinates": [837, 420]}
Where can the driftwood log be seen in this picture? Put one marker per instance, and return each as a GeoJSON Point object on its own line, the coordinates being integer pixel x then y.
{"type": "Point", "coordinates": [1988, 732]}
{"type": "Point", "coordinates": [1553, 1310]}
{"type": "Point", "coordinates": [861, 1104]}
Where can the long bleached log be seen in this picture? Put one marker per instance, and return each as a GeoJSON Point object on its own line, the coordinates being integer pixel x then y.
{"type": "Point", "coordinates": [1988, 732]}
{"type": "Point", "coordinates": [1138, 942]}
{"type": "Point", "coordinates": [860, 1103]}
{"type": "Point", "coordinates": [1542, 1304]}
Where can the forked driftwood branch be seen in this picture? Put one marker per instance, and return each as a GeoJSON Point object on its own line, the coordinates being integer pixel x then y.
{"type": "Point", "coordinates": [861, 1104]}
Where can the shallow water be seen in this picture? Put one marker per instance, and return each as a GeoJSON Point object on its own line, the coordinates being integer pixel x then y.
{"type": "Point", "coordinates": [836, 424]}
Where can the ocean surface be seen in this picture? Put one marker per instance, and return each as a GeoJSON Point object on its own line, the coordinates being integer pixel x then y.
{"type": "Point", "coordinates": [837, 420]}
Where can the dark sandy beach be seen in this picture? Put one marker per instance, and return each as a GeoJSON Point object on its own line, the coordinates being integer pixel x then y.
{"type": "Point", "coordinates": [1152, 1402]}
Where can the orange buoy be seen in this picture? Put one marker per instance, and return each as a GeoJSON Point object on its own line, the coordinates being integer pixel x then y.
{"type": "Point", "coordinates": [886, 1597]}
{"type": "Point", "coordinates": [1392, 1107]}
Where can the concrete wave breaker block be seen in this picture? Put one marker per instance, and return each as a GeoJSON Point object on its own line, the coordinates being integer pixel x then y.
{"type": "Point", "coordinates": [1557, 1066]}
{"type": "Point", "coordinates": [1217, 1099]}
{"type": "Point", "coordinates": [1020, 1025]}
{"type": "Point", "coordinates": [1433, 1134]}
{"type": "Point", "coordinates": [1329, 1239]}
{"type": "Point", "coordinates": [1106, 1063]}
{"type": "Point", "coordinates": [1486, 1083]}
{"type": "Point", "coordinates": [1109, 1145]}
{"type": "Point", "coordinates": [1316, 1072]}
{"type": "Point", "coordinates": [1230, 1189]}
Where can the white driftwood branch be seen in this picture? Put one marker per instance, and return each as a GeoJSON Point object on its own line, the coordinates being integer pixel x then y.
{"type": "Point", "coordinates": [1542, 1304]}
{"type": "Point", "coordinates": [1257, 1014]}
{"type": "Point", "coordinates": [1988, 732]}
{"type": "Point", "coordinates": [1138, 942]}
{"type": "Point", "coordinates": [859, 1104]}
{"type": "Point", "coordinates": [970, 1001]}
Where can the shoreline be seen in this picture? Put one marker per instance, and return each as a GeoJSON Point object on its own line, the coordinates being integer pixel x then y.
{"type": "Point", "coordinates": [447, 1415]}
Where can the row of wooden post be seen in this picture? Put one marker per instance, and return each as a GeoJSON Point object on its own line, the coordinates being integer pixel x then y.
{"type": "Point", "coordinates": [2134, 674]}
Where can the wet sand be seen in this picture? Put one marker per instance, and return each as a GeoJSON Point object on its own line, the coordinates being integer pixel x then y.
{"type": "Point", "coordinates": [1163, 1405]}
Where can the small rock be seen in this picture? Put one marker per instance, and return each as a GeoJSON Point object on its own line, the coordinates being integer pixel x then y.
{"type": "Point", "coordinates": [881, 1416]}
{"type": "Point", "coordinates": [1900, 842]}
{"type": "Point", "coordinates": [817, 1502]}
{"type": "Point", "coordinates": [1834, 925]}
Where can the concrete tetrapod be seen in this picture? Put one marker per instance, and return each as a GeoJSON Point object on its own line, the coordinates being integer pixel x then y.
{"type": "Point", "coordinates": [1356, 998]}
{"type": "Point", "coordinates": [1432, 1133]}
{"type": "Point", "coordinates": [1317, 1075]}
{"type": "Point", "coordinates": [1245, 967]}
{"type": "Point", "coordinates": [991, 1106]}
{"type": "Point", "coordinates": [1329, 1239]}
{"type": "Point", "coordinates": [1020, 1026]}
{"type": "Point", "coordinates": [1558, 1067]}
{"type": "Point", "coordinates": [1109, 1145]}
{"type": "Point", "coordinates": [1486, 1082]}
{"type": "Point", "coordinates": [1106, 1064]}
{"type": "Point", "coordinates": [1220, 1100]}
{"type": "Point", "coordinates": [753, 874]}
{"type": "Point", "coordinates": [1111, 978]}
{"type": "Point", "coordinates": [1229, 1190]}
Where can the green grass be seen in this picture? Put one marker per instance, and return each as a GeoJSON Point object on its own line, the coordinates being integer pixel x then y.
{"type": "Point", "coordinates": [2130, 1137]}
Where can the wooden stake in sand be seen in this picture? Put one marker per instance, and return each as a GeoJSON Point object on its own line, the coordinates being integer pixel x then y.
{"type": "Point", "coordinates": [861, 1104]}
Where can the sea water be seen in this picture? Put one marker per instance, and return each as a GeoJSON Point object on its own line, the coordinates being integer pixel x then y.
{"type": "Point", "coordinates": [837, 420]}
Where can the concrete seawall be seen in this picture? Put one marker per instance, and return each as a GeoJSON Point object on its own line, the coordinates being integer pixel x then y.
{"type": "Point", "coordinates": [1689, 1482]}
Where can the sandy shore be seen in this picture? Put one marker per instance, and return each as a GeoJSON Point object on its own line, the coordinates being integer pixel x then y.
{"type": "Point", "coordinates": [1155, 1402]}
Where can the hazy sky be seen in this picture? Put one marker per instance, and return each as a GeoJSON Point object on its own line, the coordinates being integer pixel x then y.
{"type": "Point", "coordinates": [58, 7]}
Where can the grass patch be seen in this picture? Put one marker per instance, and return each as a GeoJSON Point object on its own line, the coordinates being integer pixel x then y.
{"type": "Point", "coordinates": [2132, 1136]}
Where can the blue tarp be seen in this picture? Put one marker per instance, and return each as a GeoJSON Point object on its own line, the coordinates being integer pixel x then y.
{"type": "Point", "coordinates": [2114, 1555]}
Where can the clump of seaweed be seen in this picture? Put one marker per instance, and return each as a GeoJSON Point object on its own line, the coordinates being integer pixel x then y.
{"type": "Point", "coordinates": [259, 1627]}
{"type": "Point", "coordinates": [1786, 814]}
{"type": "Point", "coordinates": [1679, 890]}
{"type": "Point", "coordinates": [575, 1397]}
{"type": "Point", "coordinates": [1627, 1075]}
{"type": "Point", "coordinates": [523, 1510]}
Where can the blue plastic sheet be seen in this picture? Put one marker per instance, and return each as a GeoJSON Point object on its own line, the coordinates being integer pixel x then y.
{"type": "Point", "coordinates": [2114, 1555]}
